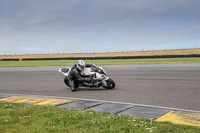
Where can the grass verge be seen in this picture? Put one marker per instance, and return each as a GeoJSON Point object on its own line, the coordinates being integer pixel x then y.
{"type": "Point", "coordinates": [99, 62]}
{"type": "Point", "coordinates": [25, 118]}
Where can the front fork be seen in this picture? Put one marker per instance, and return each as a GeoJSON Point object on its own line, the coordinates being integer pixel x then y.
{"type": "Point", "coordinates": [104, 82]}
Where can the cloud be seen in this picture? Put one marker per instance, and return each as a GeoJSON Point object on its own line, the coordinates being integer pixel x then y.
{"type": "Point", "coordinates": [82, 25]}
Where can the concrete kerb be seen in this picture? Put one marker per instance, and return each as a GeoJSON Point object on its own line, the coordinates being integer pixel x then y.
{"type": "Point", "coordinates": [157, 113]}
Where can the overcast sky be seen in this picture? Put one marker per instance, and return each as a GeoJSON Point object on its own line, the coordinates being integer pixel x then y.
{"type": "Point", "coordinates": [42, 26]}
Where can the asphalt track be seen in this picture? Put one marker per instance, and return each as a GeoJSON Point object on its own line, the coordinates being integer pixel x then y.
{"type": "Point", "coordinates": [167, 85]}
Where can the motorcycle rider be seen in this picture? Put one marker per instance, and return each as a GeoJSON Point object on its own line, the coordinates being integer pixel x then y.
{"type": "Point", "coordinates": [75, 74]}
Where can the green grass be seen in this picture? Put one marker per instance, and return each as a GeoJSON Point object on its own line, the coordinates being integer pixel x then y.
{"type": "Point", "coordinates": [25, 118]}
{"type": "Point", "coordinates": [99, 62]}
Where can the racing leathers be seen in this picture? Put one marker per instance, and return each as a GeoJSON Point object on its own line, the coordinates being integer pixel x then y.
{"type": "Point", "coordinates": [75, 77]}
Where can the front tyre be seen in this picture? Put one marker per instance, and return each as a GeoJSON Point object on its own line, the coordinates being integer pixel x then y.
{"type": "Point", "coordinates": [110, 84]}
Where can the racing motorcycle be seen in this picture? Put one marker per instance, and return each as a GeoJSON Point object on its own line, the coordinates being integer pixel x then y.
{"type": "Point", "coordinates": [99, 77]}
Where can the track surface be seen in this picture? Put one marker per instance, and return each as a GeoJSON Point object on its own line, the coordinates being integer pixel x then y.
{"type": "Point", "coordinates": [176, 86]}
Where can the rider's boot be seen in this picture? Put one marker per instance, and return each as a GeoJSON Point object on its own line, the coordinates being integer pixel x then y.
{"type": "Point", "coordinates": [73, 86]}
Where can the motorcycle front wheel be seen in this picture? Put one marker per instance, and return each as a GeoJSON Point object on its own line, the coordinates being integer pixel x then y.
{"type": "Point", "coordinates": [110, 84]}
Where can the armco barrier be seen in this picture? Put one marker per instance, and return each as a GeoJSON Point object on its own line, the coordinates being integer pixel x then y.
{"type": "Point", "coordinates": [104, 58]}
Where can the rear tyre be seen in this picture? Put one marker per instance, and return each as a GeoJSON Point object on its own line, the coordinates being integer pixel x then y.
{"type": "Point", "coordinates": [110, 84]}
{"type": "Point", "coordinates": [66, 81]}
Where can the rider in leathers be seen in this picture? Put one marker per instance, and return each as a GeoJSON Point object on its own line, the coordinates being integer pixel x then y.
{"type": "Point", "coordinates": [75, 74]}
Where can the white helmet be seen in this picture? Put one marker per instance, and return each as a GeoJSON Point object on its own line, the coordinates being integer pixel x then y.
{"type": "Point", "coordinates": [81, 65]}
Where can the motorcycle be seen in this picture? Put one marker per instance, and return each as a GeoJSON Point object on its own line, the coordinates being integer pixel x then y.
{"type": "Point", "coordinates": [99, 77]}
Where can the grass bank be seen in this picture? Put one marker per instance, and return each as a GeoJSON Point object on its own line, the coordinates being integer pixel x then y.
{"type": "Point", "coordinates": [25, 118]}
{"type": "Point", "coordinates": [100, 62]}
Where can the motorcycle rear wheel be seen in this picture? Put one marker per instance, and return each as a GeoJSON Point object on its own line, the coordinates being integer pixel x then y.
{"type": "Point", "coordinates": [66, 81]}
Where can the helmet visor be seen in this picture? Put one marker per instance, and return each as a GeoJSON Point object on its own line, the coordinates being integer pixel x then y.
{"type": "Point", "coordinates": [81, 67]}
